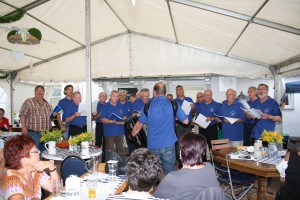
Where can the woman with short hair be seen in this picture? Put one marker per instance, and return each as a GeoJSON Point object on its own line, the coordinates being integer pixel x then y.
{"type": "Point", "coordinates": [195, 174]}
{"type": "Point", "coordinates": [25, 173]}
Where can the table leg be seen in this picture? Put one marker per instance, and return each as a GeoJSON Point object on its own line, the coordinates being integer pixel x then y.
{"type": "Point", "coordinates": [262, 188]}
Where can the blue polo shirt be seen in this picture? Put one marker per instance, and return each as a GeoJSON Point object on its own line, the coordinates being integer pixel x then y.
{"type": "Point", "coordinates": [137, 106]}
{"type": "Point", "coordinates": [209, 110]}
{"type": "Point", "coordinates": [269, 107]}
{"type": "Point", "coordinates": [180, 102]}
{"type": "Point", "coordinates": [197, 106]}
{"type": "Point", "coordinates": [127, 107]}
{"type": "Point", "coordinates": [250, 103]}
{"type": "Point", "coordinates": [72, 108]}
{"type": "Point", "coordinates": [235, 131]}
{"type": "Point", "coordinates": [99, 110]}
{"type": "Point", "coordinates": [113, 129]}
{"type": "Point", "coordinates": [64, 103]}
{"type": "Point", "coordinates": [160, 120]}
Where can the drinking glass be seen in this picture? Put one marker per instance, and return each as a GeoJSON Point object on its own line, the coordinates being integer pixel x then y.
{"type": "Point", "coordinates": [92, 187]}
{"type": "Point", "coordinates": [56, 188]}
{"type": "Point", "coordinates": [112, 167]}
{"type": "Point", "coordinates": [94, 164]}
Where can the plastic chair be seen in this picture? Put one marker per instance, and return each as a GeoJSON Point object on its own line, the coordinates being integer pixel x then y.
{"type": "Point", "coordinates": [236, 184]}
{"type": "Point", "coordinates": [72, 165]}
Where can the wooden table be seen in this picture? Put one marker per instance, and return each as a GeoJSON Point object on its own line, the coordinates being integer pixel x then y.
{"type": "Point", "coordinates": [261, 170]}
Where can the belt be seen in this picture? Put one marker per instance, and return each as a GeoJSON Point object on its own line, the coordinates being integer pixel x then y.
{"type": "Point", "coordinates": [83, 126]}
{"type": "Point", "coordinates": [30, 130]}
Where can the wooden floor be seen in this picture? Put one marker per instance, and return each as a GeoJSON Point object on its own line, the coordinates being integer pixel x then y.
{"type": "Point", "coordinates": [271, 189]}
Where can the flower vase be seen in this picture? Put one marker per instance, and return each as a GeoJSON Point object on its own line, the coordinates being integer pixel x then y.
{"type": "Point", "coordinates": [272, 149]}
{"type": "Point", "coordinates": [84, 148]}
{"type": "Point", "coordinates": [75, 148]}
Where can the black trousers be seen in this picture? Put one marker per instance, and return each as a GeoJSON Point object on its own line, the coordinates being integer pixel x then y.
{"type": "Point", "coordinates": [100, 139]}
{"type": "Point", "coordinates": [247, 134]}
{"type": "Point", "coordinates": [210, 133]}
{"type": "Point", "coordinates": [76, 130]}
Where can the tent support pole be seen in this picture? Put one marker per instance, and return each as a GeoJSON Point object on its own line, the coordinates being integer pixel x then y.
{"type": "Point", "coordinates": [88, 63]}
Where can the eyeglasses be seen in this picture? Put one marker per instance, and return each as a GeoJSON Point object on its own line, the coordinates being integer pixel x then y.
{"type": "Point", "coordinates": [36, 151]}
{"type": "Point", "coordinates": [200, 97]}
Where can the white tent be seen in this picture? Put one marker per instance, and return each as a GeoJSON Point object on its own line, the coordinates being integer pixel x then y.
{"type": "Point", "coordinates": [155, 38]}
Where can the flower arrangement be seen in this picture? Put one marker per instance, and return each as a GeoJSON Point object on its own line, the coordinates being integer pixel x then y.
{"type": "Point", "coordinates": [53, 135]}
{"type": "Point", "coordinates": [271, 136]}
{"type": "Point", "coordinates": [87, 136]}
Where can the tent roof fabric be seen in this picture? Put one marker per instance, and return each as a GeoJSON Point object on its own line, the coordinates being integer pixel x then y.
{"type": "Point", "coordinates": [153, 38]}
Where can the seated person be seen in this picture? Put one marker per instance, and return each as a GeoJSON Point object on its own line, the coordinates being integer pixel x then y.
{"type": "Point", "coordinates": [195, 175]}
{"type": "Point", "coordinates": [4, 122]}
{"type": "Point", "coordinates": [25, 173]}
{"type": "Point", "coordinates": [143, 170]}
{"type": "Point", "coordinates": [289, 172]}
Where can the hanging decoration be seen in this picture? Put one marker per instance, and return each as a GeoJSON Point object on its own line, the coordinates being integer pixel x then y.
{"type": "Point", "coordinates": [17, 55]}
{"type": "Point", "coordinates": [25, 36]}
{"type": "Point", "coordinates": [12, 18]}
{"type": "Point", "coordinates": [3, 75]}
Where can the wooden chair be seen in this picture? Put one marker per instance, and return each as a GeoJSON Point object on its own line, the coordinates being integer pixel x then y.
{"type": "Point", "coordinates": [219, 144]}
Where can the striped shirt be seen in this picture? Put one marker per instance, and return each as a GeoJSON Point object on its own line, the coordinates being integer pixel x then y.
{"type": "Point", "coordinates": [37, 116]}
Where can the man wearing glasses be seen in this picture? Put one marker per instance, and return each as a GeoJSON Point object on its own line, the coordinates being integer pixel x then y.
{"type": "Point", "coordinates": [270, 109]}
{"type": "Point", "coordinates": [209, 108]}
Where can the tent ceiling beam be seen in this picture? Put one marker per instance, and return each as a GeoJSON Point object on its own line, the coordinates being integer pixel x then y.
{"type": "Point", "coordinates": [289, 61]}
{"type": "Point", "coordinates": [244, 29]}
{"type": "Point", "coordinates": [24, 53]}
{"type": "Point", "coordinates": [52, 58]}
{"type": "Point", "coordinates": [238, 16]}
{"type": "Point", "coordinates": [71, 51]}
{"type": "Point", "coordinates": [27, 7]}
{"type": "Point", "coordinates": [116, 15]}
{"type": "Point", "coordinates": [172, 20]}
{"type": "Point", "coordinates": [198, 48]}
{"type": "Point", "coordinates": [58, 31]}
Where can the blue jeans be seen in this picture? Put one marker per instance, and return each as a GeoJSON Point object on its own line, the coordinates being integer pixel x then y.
{"type": "Point", "coordinates": [66, 133]}
{"type": "Point", "coordinates": [36, 136]}
{"type": "Point", "coordinates": [168, 157]}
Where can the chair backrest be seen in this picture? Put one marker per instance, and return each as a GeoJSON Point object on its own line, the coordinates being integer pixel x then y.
{"type": "Point", "coordinates": [211, 193]}
{"type": "Point", "coordinates": [219, 144]}
{"type": "Point", "coordinates": [72, 165]}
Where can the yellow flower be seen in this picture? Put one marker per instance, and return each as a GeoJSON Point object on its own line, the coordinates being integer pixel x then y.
{"type": "Point", "coordinates": [87, 136]}
{"type": "Point", "coordinates": [53, 135]}
{"type": "Point", "coordinates": [271, 136]}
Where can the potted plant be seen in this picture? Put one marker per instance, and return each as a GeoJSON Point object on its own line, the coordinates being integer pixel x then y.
{"type": "Point", "coordinates": [272, 138]}
{"type": "Point", "coordinates": [84, 139]}
{"type": "Point", "coordinates": [50, 138]}
{"type": "Point", "coordinates": [25, 36]}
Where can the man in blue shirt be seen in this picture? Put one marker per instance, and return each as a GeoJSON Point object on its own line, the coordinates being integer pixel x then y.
{"type": "Point", "coordinates": [64, 103]}
{"type": "Point", "coordinates": [99, 134]}
{"type": "Point", "coordinates": [231, 107]}
{"type": "Point", "coordinates": [77, 122]}
{"type": "Point", "coordinates": [127, 108]}
{"type": "Point", "coordinates": [161, 136]}
{"type": "Point", "coordinates": [270, 109]}
{"type": "Point", "coordinates": [183, 128]}
{"type": "Point", "coordinates": [249, 123]}
{"type": "Point", "coordinates": [113, 127]}
{"type": "Point", "coordinates": [209, 108]}
{"type": "Point", "coordinates": [139, 103]}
